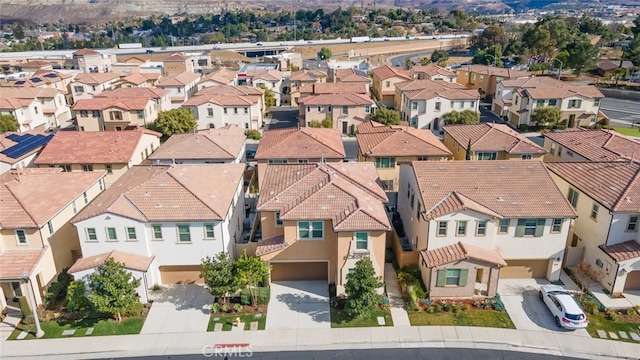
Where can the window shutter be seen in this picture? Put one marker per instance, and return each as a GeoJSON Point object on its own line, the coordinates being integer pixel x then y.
{"type": "Point", "coordinates": [442, 277]}
{"type": "Point", "coordinates": [520, 228]}
{"type": "Point", "coordinates": [540, 227]}
{"type": "Point", "coordinates": [462, 281]}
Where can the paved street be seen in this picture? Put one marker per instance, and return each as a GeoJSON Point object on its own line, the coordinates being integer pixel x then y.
{"type": "Point", "coordinates": [283, 117]}
{"type": "Point", "coordinates": [621, 111]}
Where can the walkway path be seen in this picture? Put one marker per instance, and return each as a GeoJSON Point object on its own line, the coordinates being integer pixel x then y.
{"type": "Point", "coordinates": [398, 312]}
{"type": "Point", "coordinates": [10, 321]}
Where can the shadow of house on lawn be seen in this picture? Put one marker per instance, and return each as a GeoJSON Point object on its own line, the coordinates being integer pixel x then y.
{"type": "Point", "coordinates": [184, 297]}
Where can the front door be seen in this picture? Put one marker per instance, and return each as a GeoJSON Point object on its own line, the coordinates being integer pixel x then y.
{"type": "Point", "coordinates": [345, 127]}
{"type": "Point", "coordinates": [479, 275]}
{"type": "Point", "coordinates": [17, 290]}
{"type": "Point", "coordinates": [572, 121]}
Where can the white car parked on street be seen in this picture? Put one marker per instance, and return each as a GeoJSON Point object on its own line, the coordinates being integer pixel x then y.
{"type": "Point", "coordinates": [563, 306]}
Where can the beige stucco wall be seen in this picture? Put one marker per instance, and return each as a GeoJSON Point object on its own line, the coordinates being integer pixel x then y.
{"type": "Point", "coordinates": [485, 82]}
{"type": "Point", "coordinates": [490, 275]}
{"type": "Point", "coordinates": [379, 88]}
{"type": "Point", "coordinates": [459, 151]}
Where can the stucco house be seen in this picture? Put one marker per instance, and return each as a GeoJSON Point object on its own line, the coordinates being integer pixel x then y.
{"type": "Point", "coordinates": [36, 235]}
{"type": "Point", "coordinates": [433, 72]}
{"type": "Point", "coordinates": [272, 80]}
{"type": "Point", "coordinates": [114, 113]}
{"type": "Point", "coordinates": [351, 76]}
{"type": "Point", "coordinates": [19, 150]}
{"type": "Point", "coordinates": [385, 78]}
{"type": "Point", "coordinates": [333, 88]}
{"type": "Point", "coordinates": [28, 112]}
{"type": "Point", "coordinates": [111, 152]}
{"type": "Point", "coordinates": [54, 103]}
{"type": "Point", "coordinates": [161, 97]}
{"type": "Point", "coordinates": [209, 146]}
{"type": "Point", "coordinates": [91, 61]}
{"type": "Point", "coordinates": [298, 146]}
{"type": "Point", "coordinates": [299, 80]}
{"type": "Point", "coordinates": [319, 219]}
{"type": "Point", "coordinates": [218, 77]}
{"type": "Point", "coordinates": [181, 87]}
{"type": "Point", "coordinates": [176, 214]}
{"type": "Point", "coordinates": [387, 145]}
{"type": "Point", "coordinates": [485, 78]}
{"type": "Point", "coordinates": [87, 85]}
{"type": "Point", "coordinates": [222, 105]}
{"type": "Point", "coordinates": [346, 110]}
{"type": "Point", "coordinates": [490, 141]}
{"type": "Point", "coordinates": [590, 145]}
{"type": "Point", "coordinates": [453, 208]}
{"type": "Point", "coordinates": [606, 196]}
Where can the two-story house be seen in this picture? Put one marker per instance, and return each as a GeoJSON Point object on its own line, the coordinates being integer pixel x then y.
{"type": "Point", "coordinates": [87, 85]}
{"type": "Point", "coordinates": [114, 114]}
{"type": "Point", "coordinates": [462, 213]}
{"type": "Point", "coordinates": [579, 104]}
{"type": "Point", "coordinates": [110, 152]}
{"type": "Point", "coordinates": [161, 97]}
{"type": "Point", "coordinates": [318, 220]}
{"type": "Point", "coordinates": [209, 146]}
{"type": "Point", "coordinates": [91, 61]}
{"type": "Point", "coordinates": [174, 214]}
{"type": "Point", "coordinates": [54, 103]}
{"type": "Point", "coordinates": [221, 105]}
{"type": "Point", "coordinates": [35, 233]}
{"type": "Point", "coordinates": [433, 72]}
{"type": "Point", "coordinates": [490, 141]}
{"type": "Point", "coordinates": [181, 87]}
{"type": "Point", "coordinates": [19, 150]}
{"type": "Point", "coordinates": [298, 146]}
{"type": "Point", "coordinates": [218, 77]}
{"type": "Point", "coordinates": [272, 80]}
{"type": "Point", "coordinates": [388, 145]}
{"type": "Point", "coordinates": [424, 102]}
{"type": "Point", "coordinates": [352, 76]}
{"type": "Point", "coordinates": [299, 80]}
{"type": "Point", "coordinates": [138, 80]}
{"type": "Point", "coordinates": [485, 78]}
{"type": "Point", "coordinates": [346, 110]}
{"type": "Point", "coordinates": [580, 144]}
{"type": "Point", "coordinates": [28, 112]}
{"type": "Point", "coordinates": [385, 78]}
{"type": "Point", "coordinates": [333, 88]}
{"type": "Point", "coordinates": [606, 196]}
{"type": "Point", "coordinates": [178, 64]}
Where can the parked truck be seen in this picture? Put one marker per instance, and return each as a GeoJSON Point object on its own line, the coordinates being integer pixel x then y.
{"type": "Point", "coordinates": [130, 46]}
{"type": "Point", "coordinates": [360, 39]}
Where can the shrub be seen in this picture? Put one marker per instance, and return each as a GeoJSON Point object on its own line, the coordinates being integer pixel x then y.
{"type": "Point", "coordinates": [405, 279]}
{"type": "Point", "coordinates": [58, 289]}
{"type": "Point", "coordinates": [431, 309]}
{"type": "Point", "coordinates": [156, 287]}
{"type": "Point", "coordinates": [224, 308]}
{"type": "Point", "coordinates": [437, 308]}
{"type": "Point", "coordinates": [611, 315]}
{"type": "Point", "coordinates": [417, 290]}
{"type": "Point", "coordinates": [77, 296]}
{"type": "Point", "coordinates": [497, 303]}
{"type": "Point", "coordinates": [27, 315]}
{"type": "Point", "coordinates": [590, 307]}
{"type": "Point", "coordinates": [630, 311]}
{"type": "Point", "coordinates": [237, 307]}
{"type": "Point", "coordinates": [134, 310]}
{"type": "Point", "coordinates": [465, 307]}
{"type": "Point", "coordinates": [245, 297]}
{"type": "Point", "coordinates": [412, 269]}
{"type": "Point", "coordinates": [253, 134]}
{"type": "Point", "coordinates": [215, 307]}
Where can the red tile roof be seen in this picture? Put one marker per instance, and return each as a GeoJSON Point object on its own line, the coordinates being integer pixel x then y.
{"type": "Point", "coordinates": [86, 51]}
{"type": "Point", "coordinates": [346, 99]}
{"type": "Point", "coordinates": [614, 184]}
{"type": "Point", "coordinates": [432, 70]}
{"type": "Point", "coordinates": [307, 75]}
{"type": "Point", "coordinates": [488, 187]}
{"type": "Point", "coordinates": [623, 251]}
{"type": "Point", "coordinates": [222, 76]}
{"type": "Point", "coordinates": [169, 193]}
{"type": "Point", "coordinates": [597, 145]}
{"type": "Point", "coordinates": [92, 147]}
{"type": "Point", "coordinates": [13, 104]}
{"type": "Point", "coordinates": [350, 75]}
{"type": "Point", "coordinates": [334, 88]}
{"type": "Point", "coordinates": [231, 90]}
{"type": "Point", "coordinates": [13, 262]}
{"type": "Point", "coordinates": [95, 78]}
{"type": "Point", "coordinates": [266, 246]}
{"type": "Point", "coordinates": [222, 100]}
{"type": "Point", "coordinates": [544, 87]}
{"type": "Point", "coordinates": [134, 92]}
{"type": "Point", "coordinates": [300, 143]}
{"type": "Point", "coordinates": [375, 139]}
{"type": "Point", "coordinates": [130, 261]}
{"type": "Point", "coordinates": [210, 144]}
{"type": "Point", "coordinates": [181, 79]}
{"type": "Point", "coordinates": [428, 84]}
{"type": "Point", "coordinates": [266, 75]}
{"type": "Point", "coordinates": [460, 251]}
{"type": "Point", "coordinates": [385, 72]}
{"type": "Point", "coordinates": [101, 103]}
{"type": "Point", "coordinates": [492, 137]}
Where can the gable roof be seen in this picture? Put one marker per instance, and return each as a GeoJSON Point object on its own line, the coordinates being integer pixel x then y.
{"type": "Point", "coordinates": [386, 72]}
{"type": "Point", "coordinates": [134, 92]}
{"type": "Point", "coordinates": [597, 145]}
{"type": "Point", "coordinates": [608, 65]}
{"type": "Point", "coordinates": [449, 186]}
{"type": "Point", "coordinates": [14, 141]}
{"type": "Point", "coordinates": [221, 99]}
{"type": "Point", "coordinates": [169, 193]}
{"type": "Point", "coordinates": [623, 251]}
{"type": "Point", "coordinates": [106, 147]}
{"type": "Point", "coordinates": [101, 103]}
{"type": "Point", "coordinates": [614, 184]}
{"type": "Point", "coordinates": [13, 104]}
{"type": "Point", "coordinates": [347, 194]}
{"type": "Point", "coordinates": [426, 84]}
{"type": "Point", "coordinates": [460, 251]}
{"type": "Point", "coordinates": [305, 143]}
{"type": "Point", "coordinates": [350, 75]}
{"type": "Point", "coordinates": [375, 139]}
{"type": "Point", "coordinates": [334, 88]}
{"type": "Point", "coordinates": [492, 137]}
{"type": "Point", "coordinates": [130, 261]}
{"type": "Point", "coordinates": [266, 75]}
{"type": "Point", "coordinates": [95, 78]}
{"type": "Point", "coordinates": [346, 99]}
{"type": "Point", "coordinates": [222, 76]}
{"type": "Point", "coordinates": [308, 75]}
{"type": "Point", "coordinates": [135, 78]}
{"type": "Point", "coordinates": [219, 144]}
{"type": "Point", "coordinates": [545, 87]}
{"type": "Point", "coordinates": [181, 79]}
{"type": "Point", "coordinates": [231, 90]}
{"type": "Point", "coordinates": [32, 93]}
{"type": "Point", "coordinates": [177, 57]}
{"type": "Point", "coordinates": [13, 262]}
{"type": "Point", "coordinates": [22, 193]}
{"type": "Point", "coordinates": [86, 51]}
{"type": "Point", "coordinates": [495, 71]}
{"type": "Point", "coordinates": [432, 70]}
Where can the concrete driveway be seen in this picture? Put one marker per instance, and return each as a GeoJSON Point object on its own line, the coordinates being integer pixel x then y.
{"type": "Point", "coordinates": [527, 311]}
{"type": "Point", "coordinates": [299, 305]}
{"type": "Point", "coordinates": [178, 309]}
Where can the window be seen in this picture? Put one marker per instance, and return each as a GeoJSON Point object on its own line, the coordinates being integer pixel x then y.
{"type": "Point", "coordinates": [91, 234]}
{"type": "Point", "coordinates": [387, 83]}
{"type": "Point", "coordinates": [451, 105]}
{"type": "Point", "coordinates": [277, 161]}
{"type": "Point", "coordinates": [481, 228]}
{"type": "Point", "coordinates": [111, 234]}
{"type": "Point", "coordinates": [208, 231]}
{"type": "Point", "coordinates": [246, 110]}
{"type": "Point", "coordinates": [418, 210]}
{"type": "Point", "coordinates": [599, 263]}
{"type": "Point", "coordinates": [50, 226]}
{"type": "Point", "coordinates": [414, 105]}
{"type": "Point", "coordinates": [329, 108]}
{"type": "Point", "coordinates": [553, 102]}
{"type": "Point", "coordinates": [179, 90]}
{"type": "Point", "coordinates": [101, 184]}
{"type": "Point", "coordinates": [575, 104]}
{"type": "Point", "coordinates": [487, 156]}
{"type": "Point", "coordinates": [526, 156]}
{"type": "Point", "coordinates": [140, 114]}
{"type": "Point", "coordinates": [319, 108]}
{"type": "Point", "coordinates": [310, 230]}
{"type": "Point", "coordinates": [210, 112]}
{"type": "Point", "coordinates": [367, 109]}
{"type": "Point", "coordinates": [78, 89]}
{"type": "Point", "coordinates": [503, 228]}
{"type": "Point", "coordinates": [556, 226]}
{"type": "Point", "coordinates": [573, 197]}
{"type": "Point", "coordinates": [473, 76]}
{"type": "Point", "coordinates": [461, 229]}
{"type": "Point", "coordinates": [385, 162]}
{"type": "Point", "coordinates": [157, 232]}
{"type": "Point", "coordinates": [73, 205]}
{"type": "Point", "coordinates": [442, 228]}
{"type": "Point", "coordinates": [481, 77]}
{"type": "Point", "coordinates": [632, 225]}
{"type": "Point", "coordinates": [594, 211]}
{"type": "Point", "coordinates": [95, 113]}
{"type": "Point", "coordinates": [115, 115]}
{"type": "Point", "coordinates": [84, 113]}
{"type": "Point", "coordinates": [345, 110]}
{"type": "Point", "coordinates": [184, 233]}
{"type": "Point", "coordinates": [530, 227]}
{"type": "Point", "coordinates": [461, 104]}
{"type": "Point", "coordinates": [235, 110]}
{"type": "Point", "coordinates": [413, 197]}
{"type": "Point", "coordinates": [303, 161]}
{"type": "Point", "coordinates": [131, 233]}
{"type": "Point", "coordinates": [86, 199]}
{"type": "Point", "coordinates": [87, 167]}
{"type": "Point", "coordinates": [438, 106]}
{"type": "Point", "coordinates": [109, 168]}
{"type": "Point", "coordinates": [225, 110]}
{"type": "Point", "coordinates": [540, 103]}
{"type": "Point", "coordinates": [362, 240]}
{"type": "Point", "coordinates": [279, 221]}
{"type": "Point", "coordinates": [21, 236]}
{"type": "Point", "coordinates": [596, 102]}
{"type": "Point", "coordinates": [553, 148]}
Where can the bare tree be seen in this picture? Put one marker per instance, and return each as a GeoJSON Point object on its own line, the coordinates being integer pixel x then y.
{"type": "Point", "coordinates": [587, 276]}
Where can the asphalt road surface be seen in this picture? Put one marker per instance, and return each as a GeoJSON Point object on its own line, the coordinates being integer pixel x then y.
{"type": "Point", "coordinates": [283, 117]}
{"type": "Point", "coordinates": [373, 354]}
{"type": "Point", "coordinates": [401, 60]}
{"type": "Point", "coordinates": [621, 111]}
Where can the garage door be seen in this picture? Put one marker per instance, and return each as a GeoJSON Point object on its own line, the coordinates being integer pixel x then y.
{"type": "Point", "coordinates": [181, 274]}
{"type": "Point", "coordinates": [633, 281]}
{"type": "Point", "coordinates": [290, 271]}
{"type": "Point", "coordinates": [524, 269]}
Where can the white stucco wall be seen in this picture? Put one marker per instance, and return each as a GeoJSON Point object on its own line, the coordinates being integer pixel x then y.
{"type": "Point", "coordinates": [142, 289]}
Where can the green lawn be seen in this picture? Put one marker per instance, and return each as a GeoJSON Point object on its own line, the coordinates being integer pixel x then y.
{"type": "Point", "coordinates": [341, 319]}
{"type": "Point", "coordinates": [627, 131]}
{"type": "Point", "coordinates": [53, 329]}
{"type": "Point", "coordinates": [486, 318]}
{"type": "Point", "coordinates": [600, 322]}
{"type": "Point", "coordinates": [228, 321]}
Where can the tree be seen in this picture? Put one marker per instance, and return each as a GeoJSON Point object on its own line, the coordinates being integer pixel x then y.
{"type": "Point", "coordinates": [408, 64]}
{"type": "Point", "coordinates": [468, 153]}
{"type": "Point", "coordinates": [492, 34]}
{"type": "Point", "coordinates": [77, 296]}
{"type": "Point", "coordinates": [633, 54]}
{"type": "Point", "coordinates": [489, 56]}
{"type": "Point", "coordinates": [361, 288]}
{"type": "Point", "coordinates": [269, 98]}
{"type": "Point", "coordinates": [8, 123]}
{"type": "Point", "coordinates": [461, 117]}
{"type": "Point", "coordinates": [219, 276]}
{"type": "Point", "coordinates": [324, 54]}
{"type": "Point", "coordinates": [113, 289]}
{"type": "Point", "coordinates": [250, 271]}
{"type": "Point", "coordinates": [440, 57]}
{"type": "Point", "coordinates": [587, 276]}
{"type": "Point", "coordinates": [18, 32]}
{"type": "Point", "coordinates": [546, 115]}
{"type": "Point", "coordinates": [174, 121]}
{"type": "Point", "coordinates": [386, 116]}
{"type": "Point", "coordinates": [582, 55]}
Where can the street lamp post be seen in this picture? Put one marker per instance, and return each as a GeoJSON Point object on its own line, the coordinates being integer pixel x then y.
{"type": "Point", "coordinates": [32, 300]}
{"type": "Point", "coordinates": [561, 66]}
{"type": "Point", "coordinates": [494, 59]}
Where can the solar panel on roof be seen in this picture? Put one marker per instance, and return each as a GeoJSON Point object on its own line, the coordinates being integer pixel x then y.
{"type": "Point", "coordinates": [36, 80]}
{"type": "Point", "coordinates": [20, 82]}
{"type": "Point", "coordinates": [13, 137]}
{"type": "Point", "coordinates": [50, 75]}
{"type": "Point", "coordinates": [26, 145]}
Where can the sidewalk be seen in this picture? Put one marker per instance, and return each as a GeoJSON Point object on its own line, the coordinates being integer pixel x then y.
{"type": "Point", "coordinates": [396, 302]}
{"type": "Point", "coordinates": [9, 323]}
